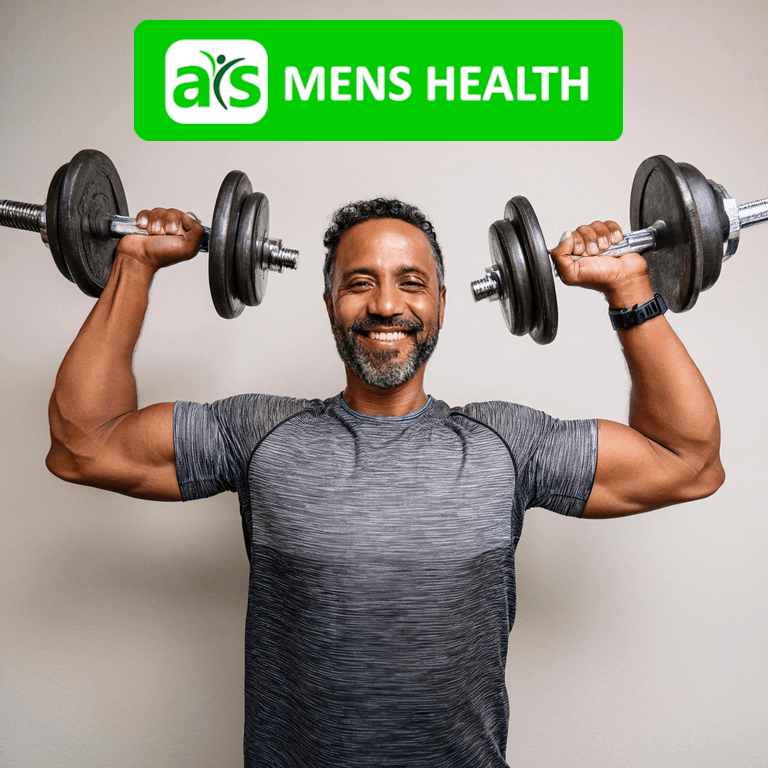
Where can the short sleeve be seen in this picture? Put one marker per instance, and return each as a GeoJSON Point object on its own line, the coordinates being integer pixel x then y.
{"type": "Point", "coordinates": [214, 441]}
{"type": "Point", "coordinates": [204, 465]}
{"type": "Point", "coordinates": [561, 470]}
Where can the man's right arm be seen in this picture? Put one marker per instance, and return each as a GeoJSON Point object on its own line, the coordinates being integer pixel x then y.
{"type": "Point", "coordinates": [99, 436]}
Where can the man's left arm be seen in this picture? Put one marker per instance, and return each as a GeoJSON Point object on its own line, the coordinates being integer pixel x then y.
{"type": "Point", "coordinates": [669, 452]}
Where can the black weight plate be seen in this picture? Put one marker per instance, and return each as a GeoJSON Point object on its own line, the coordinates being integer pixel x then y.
{"type": "Point", "coordinates": [52, 221]}
{"type": "Point", "coordinates": [545, 314]}
{"type": "Point", "coordinates": [660, 191]}
{"type": "Point", "coordinates": [91, 192]}
{"type": "Point", "coordinates": [516, 299]}
{"type": "Point", "coordinates": [709, 210]}
{"type": "Point", "coordinates": [221, 249]}
{"type": "Point", "coordinates": [252, 234]}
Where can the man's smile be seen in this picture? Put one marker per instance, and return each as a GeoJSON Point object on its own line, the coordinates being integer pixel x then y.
{"type": "Point", "coordinates": [385, 338]}
{"type": "Point", "coordinates": [385, 334]}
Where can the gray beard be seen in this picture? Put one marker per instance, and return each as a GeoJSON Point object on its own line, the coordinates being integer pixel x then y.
{"type": "Point", "coordinates": [377, 368]}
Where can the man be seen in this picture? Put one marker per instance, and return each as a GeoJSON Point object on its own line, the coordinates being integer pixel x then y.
{"type": "Point", "coordinates": [381, 524]}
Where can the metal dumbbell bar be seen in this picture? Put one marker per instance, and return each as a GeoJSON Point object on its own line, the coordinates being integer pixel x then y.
{"type": "Point", "coordinates": [685, 225]}
{"type": "Point", "coordinates": [85, 214]}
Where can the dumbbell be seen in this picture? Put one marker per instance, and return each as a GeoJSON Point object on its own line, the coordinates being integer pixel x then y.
{"type": "Point", "coordinates": [686, 227]}
{"type": "Point", "coordinates": [85, 213]}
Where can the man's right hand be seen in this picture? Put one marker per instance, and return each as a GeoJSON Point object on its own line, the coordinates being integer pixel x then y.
{"type": "Point", "coordinates": [176, 237]}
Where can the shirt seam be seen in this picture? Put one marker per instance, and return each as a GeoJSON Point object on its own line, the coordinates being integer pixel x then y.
{"type": "Point", "coordinates": [266, 435]}
{"type": "Point", "coordinates": [502, 440]}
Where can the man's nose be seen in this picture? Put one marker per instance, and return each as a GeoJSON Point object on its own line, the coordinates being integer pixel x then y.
{"type": "Point", "coordinates": [386, 300]}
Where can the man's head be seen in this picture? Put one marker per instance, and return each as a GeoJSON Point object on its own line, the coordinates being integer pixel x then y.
{"type": "Point", "coordinates": [352, 214]}
{"type": "Point", "coordinates": [383, 289]}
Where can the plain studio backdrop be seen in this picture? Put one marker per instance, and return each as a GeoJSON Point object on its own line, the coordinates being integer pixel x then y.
{"type": "Point", "coordinates": [639, 642]}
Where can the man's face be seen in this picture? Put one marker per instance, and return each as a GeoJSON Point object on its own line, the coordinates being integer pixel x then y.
{"type": "Point", "coordinates": [386, 307]}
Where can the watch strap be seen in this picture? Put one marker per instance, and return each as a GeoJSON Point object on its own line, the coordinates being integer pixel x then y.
{"type": "Point", "coordinates": [637, 315]}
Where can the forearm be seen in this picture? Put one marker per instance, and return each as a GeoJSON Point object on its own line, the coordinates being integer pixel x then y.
{"type": "Point", "coordinates": [670, 403]}
{"type": "Point", "coordinates": [95, 383]}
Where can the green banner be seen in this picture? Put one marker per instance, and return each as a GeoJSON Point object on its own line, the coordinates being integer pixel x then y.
{"type": "Point", "coordinates": [378, 80]}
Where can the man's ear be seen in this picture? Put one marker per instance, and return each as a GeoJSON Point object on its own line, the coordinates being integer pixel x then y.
{"type": "Point", "coordinates": [442, 305]}
{"type": "Point", "coordinates": [329, 306]}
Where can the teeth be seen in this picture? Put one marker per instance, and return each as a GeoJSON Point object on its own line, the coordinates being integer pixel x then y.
{"type": "Point", "coordinates": [396, 336]}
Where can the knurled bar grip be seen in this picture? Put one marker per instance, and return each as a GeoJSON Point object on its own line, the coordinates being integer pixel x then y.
{"type": "Point", "coordinates": [25, 216]}
{"type": "Point", "coordinates": [753, 213]}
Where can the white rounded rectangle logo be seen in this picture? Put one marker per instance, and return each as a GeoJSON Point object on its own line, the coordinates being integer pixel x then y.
{"type": "Point", "coordinates": [216, 81]}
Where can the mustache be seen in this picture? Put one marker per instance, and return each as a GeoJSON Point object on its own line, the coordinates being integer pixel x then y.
{"type": "Point", "coordinates": [385, 322]}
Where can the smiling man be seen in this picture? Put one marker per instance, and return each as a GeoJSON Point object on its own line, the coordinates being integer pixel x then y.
{"type": "Point", "coordinates": [381, 524]}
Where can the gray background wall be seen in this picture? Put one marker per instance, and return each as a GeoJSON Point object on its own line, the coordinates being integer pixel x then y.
{"type": "Point", "coordinates": [639, 642]}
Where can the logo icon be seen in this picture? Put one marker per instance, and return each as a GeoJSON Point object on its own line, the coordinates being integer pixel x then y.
{"type": "Point", "coordinates": [216, 81]}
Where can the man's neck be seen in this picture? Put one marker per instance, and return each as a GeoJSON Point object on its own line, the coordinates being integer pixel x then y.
{"type": "Point", "coordinates": [398, 401]}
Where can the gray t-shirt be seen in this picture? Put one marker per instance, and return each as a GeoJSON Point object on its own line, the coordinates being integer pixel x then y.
{"type": "Point", "coordinates": [382, 583]}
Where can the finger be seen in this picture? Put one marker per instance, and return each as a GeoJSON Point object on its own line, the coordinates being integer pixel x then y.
{"type": "Point", "coordinates": [589, 237]}
{"type": "Point", "coordinates": [616, 233]}
{"type": "Point", "coordinates": [142, 218]}
{"type": "Point", "coordinates": [562, 255]}
{"type": "Point", "coordinates": [564, 246]}
{"type": "Point", "coordinates": [193, 229]}
{"type": "Point", "coordinates": [579, 244]}
{"type": "Point", "coordinates": [172, 222]}
{"type": "Point", "coordinates": [602, 234]}
{"type": "Point", "coordinates": [155, 225]}
{"type": "Point", "coordinates": [165, 221]}
{"type": "Point", "coordinates": [190, 222]}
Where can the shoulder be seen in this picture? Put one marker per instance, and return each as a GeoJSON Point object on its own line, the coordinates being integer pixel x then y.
{"type": "Point", "coordinates": [517, 426]}
{"type": "Point", "coordinates": [503, 416]}
{"type": "Point", "coordinates": [270, 409]}
{"type": "Point", "coordinates": [242, 418]}
{"type": "Point", "coordinates": [526, 431]}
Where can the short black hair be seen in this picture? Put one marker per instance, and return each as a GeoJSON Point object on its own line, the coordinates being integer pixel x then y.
{"type": "Point", "coordinates": [348, 215]}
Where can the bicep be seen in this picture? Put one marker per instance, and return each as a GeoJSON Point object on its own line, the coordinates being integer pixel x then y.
{"type": "Point", "coordinates": [633, 474]}
{"type": "Point", "coordinates": [144, 447]}
{"type": "Point", "coordinates": [133, 454]}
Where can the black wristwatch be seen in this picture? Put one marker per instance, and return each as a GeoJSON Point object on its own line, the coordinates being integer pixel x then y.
{"type": "Point", "coordinates": [629, 318]}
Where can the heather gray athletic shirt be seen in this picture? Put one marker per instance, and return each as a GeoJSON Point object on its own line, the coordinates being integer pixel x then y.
{"type": "Point", "coordinates": [382, 584]}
